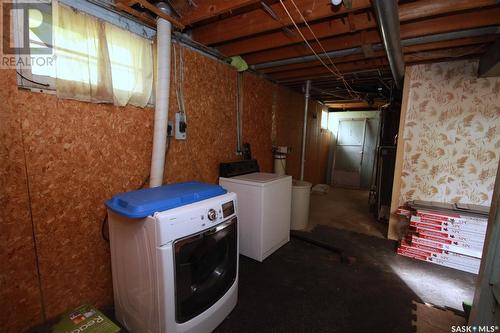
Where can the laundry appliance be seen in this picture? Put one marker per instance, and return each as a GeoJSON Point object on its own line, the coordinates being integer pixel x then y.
{"type": "Point", "coordinates": [174, 253]}
{"type": "Point", "coordinates": [264, 207]}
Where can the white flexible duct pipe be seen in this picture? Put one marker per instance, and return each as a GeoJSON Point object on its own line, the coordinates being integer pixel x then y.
{"type": "Point", "coordinates": [163, 38]}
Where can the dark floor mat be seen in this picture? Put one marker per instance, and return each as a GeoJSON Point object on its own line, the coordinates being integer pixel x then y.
{"type": "Point", "coordinates": [305, 288]}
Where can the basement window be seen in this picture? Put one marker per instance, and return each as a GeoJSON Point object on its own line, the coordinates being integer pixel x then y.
{"type": "Point", "coordinates": [324, 119]}
{"type": "Point", "coordinates": [78, 56]}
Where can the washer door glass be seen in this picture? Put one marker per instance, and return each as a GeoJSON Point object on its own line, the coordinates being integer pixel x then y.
{"type": "Point", "coordinates": [205, 269]}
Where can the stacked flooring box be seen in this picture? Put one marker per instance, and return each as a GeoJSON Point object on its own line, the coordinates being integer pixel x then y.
{"type": "Point", "coordinates": [447, 235]}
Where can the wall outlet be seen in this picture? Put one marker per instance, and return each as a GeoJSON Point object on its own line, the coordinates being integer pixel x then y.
{"type": "Point", "coordinates": [180, 126]}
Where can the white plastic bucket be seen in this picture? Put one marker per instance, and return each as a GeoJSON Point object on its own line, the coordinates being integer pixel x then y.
{"type": "Point", "coordinates": [301, 194]}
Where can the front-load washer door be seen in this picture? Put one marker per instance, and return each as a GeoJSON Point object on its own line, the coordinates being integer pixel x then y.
{"type": "Point", "coordinates": [205, 268]}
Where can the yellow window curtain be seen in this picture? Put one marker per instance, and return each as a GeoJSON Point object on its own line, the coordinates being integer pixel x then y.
{"type": "Point", "coordinates": [98, 62]}
{"type": "Point", "coordinates": [131, 60]}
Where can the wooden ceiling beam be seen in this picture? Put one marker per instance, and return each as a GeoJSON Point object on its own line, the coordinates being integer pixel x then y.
{"type": "Point", "coordinates": [343, 68]}
{"type": "Point", "coordinates": [354, 104]}
{"type": "Point", "coordinates": [476, 19]}
{"type": "Point", "coordinates": [338, 60]}
{"type": "Point", "coordinates": [258, 21]}
{"type": "Point", "coordinates": [450, 43]}
{"type": "Point", "coordinates": [142, 16]}
{"type": "Point", "coordinates": [332, 44]}
{"type": "Point", "coordinates": [122, 4]}
{"type": "Point", "coordinates": [452, 53]}
{"type": "Point", "coordinates": [356, 22]}
{"type": "Point", "coordinates": [330, 83]}
{"type": "Point", "coordinates": [418, 57]}
{"type": "Point", "coordinates": [207, 9]}
{"type": "Point", "coordinates": [407, 49]}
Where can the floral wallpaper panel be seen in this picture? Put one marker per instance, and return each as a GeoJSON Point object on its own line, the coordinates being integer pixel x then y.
{"type": "Point", "coordinates": [451, 135]}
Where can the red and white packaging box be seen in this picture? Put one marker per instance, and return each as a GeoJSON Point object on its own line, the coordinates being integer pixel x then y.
{"type": "Point", "coordinates": [473, 239]}
{"type": "Point", "coordinates": [441, 254]}
{"type": "Point", "coordinates": [455, 218]}
{"type": "Point", "coordinates": [403, 211]}
{"type": "Point", "coordinates": [445, 232]}
{"type": "Point", "coordinates": [447, 244]}
{"type": "Point", "coordinates": [451, 259]}
{"type": "Point", "coordinates": [479, 228]}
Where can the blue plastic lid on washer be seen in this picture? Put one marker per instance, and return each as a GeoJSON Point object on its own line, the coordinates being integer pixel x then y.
{"type": "Point", "coordinates": [145, 202]}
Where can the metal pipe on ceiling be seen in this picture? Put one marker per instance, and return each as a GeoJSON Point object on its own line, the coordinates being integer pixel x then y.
{"type": "Point", "coordinates": [304, 130]}
{"type": "Point", "coordinates": [324, 92]}
{"type": "Point", "coordinates": [290, 61]}
{"type": "Point", "coordinates": [451, 35]}
{"type": "Point", "coordinates": [406, 42]}
{"type": "Point", "coordinates": [387, 14]}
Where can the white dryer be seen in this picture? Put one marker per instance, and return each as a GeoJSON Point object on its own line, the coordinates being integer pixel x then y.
{"type": "Point", "coordinates": [264, 205]}
{"type": "Point", "coordinates": [174, 252]}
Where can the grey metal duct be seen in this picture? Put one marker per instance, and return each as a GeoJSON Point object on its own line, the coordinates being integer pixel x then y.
{"type": "Point", "coordinates": [405, 42]}
{"type": "Point", "coordinates": [290, 61]}
{"type": "Point", "coordinates": [387, 13]}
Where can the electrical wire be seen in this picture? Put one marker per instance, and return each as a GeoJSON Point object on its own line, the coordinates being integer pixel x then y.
{"type": "Point", "coordinates": [307, 43]}
{"type": "Point", "coordinates": [174, 51]}
{"type": "Point", "coordinates": [29, 80]}
{"type": "Point", "coordinates": [179, 84]}
{"type": "Point", "coordinates": [335, 72]}
{"type": "Point", "coordinates": [179, 80]}
{"type": "Point", "coordinates": [346, 84]}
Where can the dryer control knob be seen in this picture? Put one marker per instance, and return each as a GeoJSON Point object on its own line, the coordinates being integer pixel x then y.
{"type": "Point", "coordinates": [212, 214]}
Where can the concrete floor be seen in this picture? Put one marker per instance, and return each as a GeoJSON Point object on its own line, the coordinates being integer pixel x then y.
{"type": "Point", "coordinates": [345, 209]}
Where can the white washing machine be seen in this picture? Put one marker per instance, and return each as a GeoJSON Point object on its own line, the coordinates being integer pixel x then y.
{"type": "Point", "coordinates": [174, 252]}
{"type": "Point", "coordinates": [264, 201]}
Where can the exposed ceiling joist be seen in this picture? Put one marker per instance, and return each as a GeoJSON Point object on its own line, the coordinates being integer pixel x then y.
{"type": "Point", "coordinates": [347, 67]}
{"type": "Point", "coordinates": [356, 104]}
{"type": "Point", "coordinates": [336, 60]}
{"type": "Point", "coordinates": [142, 16]}
{"type": "Point", "coordinates": [259, 21]}
{"type": "Point", "coordinates": [338, 26]}
{"type": "Point", "coordinates": [440, 55]}
{"type": "Point", "coordinates": [126, 6]}
{"type": "Point", "coordinates": [263, 34]}
{"type": "Point", "coordinates": [202, 10]}
{"type": "Point", "coordinates": [380, 53]}
{"type": "Point", "coordinates": [480, 18]}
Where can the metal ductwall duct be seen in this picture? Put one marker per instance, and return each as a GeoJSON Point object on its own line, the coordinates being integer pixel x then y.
{"type": "Point", "coordinates": [387, 13]}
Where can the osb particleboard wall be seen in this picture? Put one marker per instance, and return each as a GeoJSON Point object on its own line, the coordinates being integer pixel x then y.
{"type": "Point", "coordinates": [210, 101]}
{"type": "Point", "coordinates": [65, 158]}
{"type": "Point", "coordinates": [289, 123]}
{"type": "Point", "coordinates": [256, 118]}
{"type": "Point", "coordinates": [20, 301]}
{"type": "Point", "coordinates": [451, 134]}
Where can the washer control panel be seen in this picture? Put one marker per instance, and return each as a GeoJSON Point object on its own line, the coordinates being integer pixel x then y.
{"type": "Point", "coordinates": [212, 214]}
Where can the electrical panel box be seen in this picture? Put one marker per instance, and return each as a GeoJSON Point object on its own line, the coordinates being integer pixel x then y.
{"type": "Point", "coordinates": [180, 126]}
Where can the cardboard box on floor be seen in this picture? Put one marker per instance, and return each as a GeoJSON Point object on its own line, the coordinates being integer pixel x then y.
{"type": "Point", "coordinates": [85, 318]}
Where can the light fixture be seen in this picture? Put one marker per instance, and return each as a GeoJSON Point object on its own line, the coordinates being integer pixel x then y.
{"type": "Point", "coordinates": [336, 2]}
